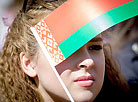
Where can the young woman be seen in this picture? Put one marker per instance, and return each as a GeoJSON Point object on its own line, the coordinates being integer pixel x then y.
{"type": "Point", "coordinates": [26, 76]}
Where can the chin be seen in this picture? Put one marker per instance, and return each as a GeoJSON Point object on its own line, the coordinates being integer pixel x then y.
{"type": "Point", "coordinates": [84, 100]}
{"type": "Point", "coordinates": [84, 97]}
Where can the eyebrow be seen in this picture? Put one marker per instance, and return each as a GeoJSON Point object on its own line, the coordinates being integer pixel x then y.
{"type": "Point", "coordinates": [96, 39]}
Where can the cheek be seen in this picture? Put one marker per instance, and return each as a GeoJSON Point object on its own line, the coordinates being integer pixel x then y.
{"type": "Point", "coordinates": [67, 64]}
{"type": "Point", "coordinates": [100, 65]}
{"type": "Point", "coordinates": [44, 72]}
{"type": "Point", "coordinates": [99, 73]}
{"type": "Point", "coordinates": [100, 59]}
{"type": "Point", "coordinates": [47, 78]}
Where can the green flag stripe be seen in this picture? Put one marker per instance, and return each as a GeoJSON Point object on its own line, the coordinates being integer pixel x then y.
{"type": "Point", "coordinates": [98, 25]}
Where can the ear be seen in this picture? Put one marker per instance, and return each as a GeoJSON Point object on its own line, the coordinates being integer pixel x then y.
{"type": "Point", "coordinates": [27, 65]}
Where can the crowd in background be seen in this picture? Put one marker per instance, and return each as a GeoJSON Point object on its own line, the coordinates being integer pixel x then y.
{"type": "Point", "coordinates": [8, 11]}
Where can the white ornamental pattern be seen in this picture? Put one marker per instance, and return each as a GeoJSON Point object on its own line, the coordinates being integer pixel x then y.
{"type": "Point", "coordinates": [49, 42]}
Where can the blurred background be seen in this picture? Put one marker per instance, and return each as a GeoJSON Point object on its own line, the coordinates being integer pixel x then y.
{"type": "Point", "coordinates": [8, 11]}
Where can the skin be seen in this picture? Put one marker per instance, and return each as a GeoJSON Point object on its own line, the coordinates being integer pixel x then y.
{"type": "Point", "coordinates": [87, 61]}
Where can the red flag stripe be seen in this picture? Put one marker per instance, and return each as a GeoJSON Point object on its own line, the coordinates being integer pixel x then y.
{"type": "Point", "coordinates": [74, 14]}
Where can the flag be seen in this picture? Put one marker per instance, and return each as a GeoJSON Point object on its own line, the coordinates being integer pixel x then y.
{"type": "Point", "coordinates": [76, 22]}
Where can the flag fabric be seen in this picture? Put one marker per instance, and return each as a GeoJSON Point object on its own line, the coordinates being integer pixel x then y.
{"type": "Point", "coordinates": [74, 14]}
{"type": "Point", "coordinates": [74, 23]}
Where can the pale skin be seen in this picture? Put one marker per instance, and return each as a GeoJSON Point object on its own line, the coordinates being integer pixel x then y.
{"type": "Point", "coordinates": [82, 73]}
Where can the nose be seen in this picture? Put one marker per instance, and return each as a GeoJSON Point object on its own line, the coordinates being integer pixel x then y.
{"type": "Point", "coordinates": [87, 64]}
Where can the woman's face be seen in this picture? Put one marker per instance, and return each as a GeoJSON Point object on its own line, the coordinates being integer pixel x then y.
{"type": "Point", "coordinates": [82, 73]}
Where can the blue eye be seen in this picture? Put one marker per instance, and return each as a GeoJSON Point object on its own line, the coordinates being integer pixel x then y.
{"type": "Point", "coordinates": [95, 47]}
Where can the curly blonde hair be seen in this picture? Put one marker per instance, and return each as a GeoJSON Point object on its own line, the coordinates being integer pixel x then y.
{"type": "Point", "coordinates": [15, 85]}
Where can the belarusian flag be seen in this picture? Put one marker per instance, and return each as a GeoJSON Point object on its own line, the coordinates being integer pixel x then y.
{"type": "Point", "coordinates": [76, 22]}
